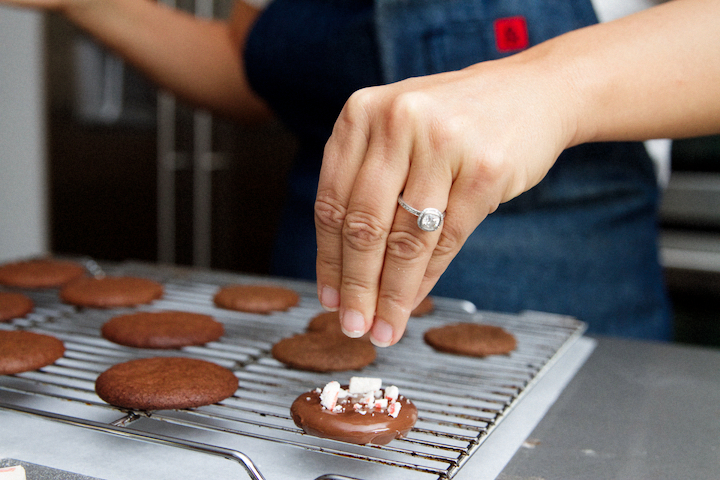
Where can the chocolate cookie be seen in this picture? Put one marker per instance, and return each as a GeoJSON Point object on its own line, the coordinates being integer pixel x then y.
{"type": "Point", "coordinates": [319, 352]}
{"type": "Point", "coordinates": [22, 351]}
{"type": "Point", "coordinates": [328, 323]}
{"type": "Point", "coordinates": [472, 339]}
{"type": "Point", "coordinates": [168, 329]}
{"type": "Point", "coordinates": [325, 322]}
{"type": "Point", "coordinates": [256, 298]}
{"type": "Point", "coordinates": [426, 306]}
{"type": "Point", "coordinates": [14, 305]}
{"type": "Point", "coordinates": [361, 417]}
{"type": "Point", "coordinates": [110, 292]}
{"type": "Point", "coordinates": [165, 383]}
{"type": "Point", "coordinates": [40, 273]}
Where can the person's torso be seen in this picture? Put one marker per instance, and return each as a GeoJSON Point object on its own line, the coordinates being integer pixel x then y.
{"type": "Point", "coordinates": [306, 57]}
{"type": "Point", "coordinates": [582, 242]}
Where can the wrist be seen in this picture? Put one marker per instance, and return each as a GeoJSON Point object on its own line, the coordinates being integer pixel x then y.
{"type": "Point", "coordinates": [558, 87]}
{"type": "Point", "coordinates": [563, 73]}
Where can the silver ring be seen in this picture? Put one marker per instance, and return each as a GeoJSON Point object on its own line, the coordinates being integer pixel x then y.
{"type": "Point", "coordinates": [428, 220]}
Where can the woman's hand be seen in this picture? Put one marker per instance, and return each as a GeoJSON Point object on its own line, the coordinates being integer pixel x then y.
{"type": "Point", "coordinates": [469, 140]}
{"type": "Point", "coordinates": [461, 142]}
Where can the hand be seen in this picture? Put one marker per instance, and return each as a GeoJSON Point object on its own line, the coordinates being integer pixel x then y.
{"type": "Point", "coordinates": [462, 141]}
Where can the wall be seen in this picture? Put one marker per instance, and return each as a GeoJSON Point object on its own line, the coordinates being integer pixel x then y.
{"type": "Point", "coordinates": [23, 196]}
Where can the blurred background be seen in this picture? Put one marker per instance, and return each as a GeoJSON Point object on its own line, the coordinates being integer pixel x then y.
{"type": "Point", "coordinates": [94, 161]}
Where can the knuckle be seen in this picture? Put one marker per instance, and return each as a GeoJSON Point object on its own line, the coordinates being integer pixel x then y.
{"type": "Point", "coordinates": [405, 246]}
{"type": "Point", "coordinates": [448, 244]}
{"type": "Point", "coordinates": [328, 264]}
{"type": "Point", "coordinates": [393, 301]}
{"type": "Point", "coordinates": [329, 212]}
{"type": "Point", "coordinates": [353, 118]}
{"type": "Point", "coordinates": [444, 133]}
{"type": "Point", "coordinates": [451, 240]}
{"type": "Point", "coordinates": [363, 231]}
{"type": "Point", "coordinates": [489, 172]}
{"type": "Point", "coordinates": [405, 106]}
{"type": "Point", "coordinates": [496, 169]}
{"type": "Point", "coordinates": [492, 165]}
{"type": "Point", "coordinates": [356, 286]}
{"type": "Point", "coordinates": [357, 105]}
{"type": "Point", "coordinates": [447, 247]}
{"type": "Point", "coordinates": [361, 98]}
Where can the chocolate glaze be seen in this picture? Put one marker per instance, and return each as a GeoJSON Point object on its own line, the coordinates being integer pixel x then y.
{"type": "Point", "coordinates": [377, 428]}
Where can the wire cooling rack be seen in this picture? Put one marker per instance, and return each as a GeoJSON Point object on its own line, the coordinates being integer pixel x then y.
{"type": "Point", "coordinates": [460, 400]}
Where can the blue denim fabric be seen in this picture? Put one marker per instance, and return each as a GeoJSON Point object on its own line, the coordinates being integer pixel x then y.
{"type": "Point", "coordinates": [583, 242]}
{"type": "Point", "coordinates": [421, 37]}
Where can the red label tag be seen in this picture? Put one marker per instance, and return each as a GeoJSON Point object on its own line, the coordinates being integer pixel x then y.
{"type": "Point", "coordinates": [511, 34]}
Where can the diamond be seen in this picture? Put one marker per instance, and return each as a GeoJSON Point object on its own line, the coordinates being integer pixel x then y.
{"type": "Point", "coordinates": [429, 219]}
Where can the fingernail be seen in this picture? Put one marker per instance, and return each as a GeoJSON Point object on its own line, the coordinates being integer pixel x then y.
{"type": "Point", "coordinates": [353, 324]}
{"type": "Point", "coordinates": [329, 298]}
{"type": "Point", "coordinates": [381, 334]}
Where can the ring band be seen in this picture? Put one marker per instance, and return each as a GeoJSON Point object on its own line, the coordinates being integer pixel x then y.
{"type": "Point", "coordinates": [428, 220]}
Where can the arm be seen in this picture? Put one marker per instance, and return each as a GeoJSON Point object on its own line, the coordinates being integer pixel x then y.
{"type": "Point", "coordinates": [199, 60]}
{"type": "Point", "coordinates": [469, 140]}
{"type": "Point", "coordinates": [655, 74]}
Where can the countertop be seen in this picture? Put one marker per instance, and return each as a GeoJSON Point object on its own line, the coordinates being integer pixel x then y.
{"type": "Point", "coordinates": [635, 410]}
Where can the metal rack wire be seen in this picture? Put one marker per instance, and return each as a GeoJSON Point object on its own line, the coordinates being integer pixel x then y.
{"type": "Point", "coordinates": [460, 400]}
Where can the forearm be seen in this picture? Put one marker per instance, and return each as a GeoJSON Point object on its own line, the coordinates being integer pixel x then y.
{"type": "Point", "coordinates": [654, 74]}
{"type": "Point", "coordinates": [198, 60]}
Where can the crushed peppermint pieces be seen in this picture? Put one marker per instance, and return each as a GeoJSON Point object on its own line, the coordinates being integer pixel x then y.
{"type": "Point", "coordinates": [329, 395]}
{"type": "Point", "coordinates": [364, 385]}
{"type": "Point", "coordinates": [391, 393]}
{"type": "Point", "coordinates": [364, 395]}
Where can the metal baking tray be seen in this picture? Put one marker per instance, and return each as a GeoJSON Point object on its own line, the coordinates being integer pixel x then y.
{"type": "Point", "coordinates": [460, 400]}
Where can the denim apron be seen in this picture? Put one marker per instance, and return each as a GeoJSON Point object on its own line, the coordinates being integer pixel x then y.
{"type": "Point", "coordinates": [583, 242]}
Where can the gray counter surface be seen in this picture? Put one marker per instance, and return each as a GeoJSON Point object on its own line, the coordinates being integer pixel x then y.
{"type": "Point", "coordinates": [635, 410]}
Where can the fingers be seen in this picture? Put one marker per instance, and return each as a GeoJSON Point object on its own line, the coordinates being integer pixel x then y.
{"type": "Point", "coordinates": [372, 256]}
{"type": "Point", "coordinates": [366, 235]}
{"type": "Point", "coordinates": [341, 162]}
{"type": "Point", "coordinates": [408, 253]}
{"type": "Point", "coordinates": [359, 183]}
{"type": "Point", "coordinates": [459, 222]}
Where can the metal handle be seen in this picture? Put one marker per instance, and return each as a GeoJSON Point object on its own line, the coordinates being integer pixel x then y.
{"type": "Point", "coordinates": [157, 439]}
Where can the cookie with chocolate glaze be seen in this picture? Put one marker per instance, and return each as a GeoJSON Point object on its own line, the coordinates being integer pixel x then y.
{"type": "Point", "coordinates": [348, 424]}
{"type": "Point", "coordinates": [163, 383]}
{"type": "Point", "coordinates": [22, 351]}
{"type": "Point", "coordinates": [40, 273]}
{"type": "Point", "coordinates": [110, 292]}
{"type": "Point", "coordinates": [473, 339]}
{"type": "Point", "coordinates": [14, 305]}
{"type": "Point", "coordinates": [166, 329]}
{"type": "Point", "coordinates": [256, 298]}
{"type": "Point", "coordinates": [320, 352]}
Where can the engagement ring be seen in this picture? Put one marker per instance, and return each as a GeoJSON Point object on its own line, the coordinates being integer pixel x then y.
{"type": "Point", "coordinates": [429, 219]}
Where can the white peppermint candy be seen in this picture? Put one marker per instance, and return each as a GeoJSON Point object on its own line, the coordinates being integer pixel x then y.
{"type": "Point", "coordinates": [391, 393]}
{"type": "Point", "coordinates": [329, 395]}
{"type": "Point", "coordinates": [359, 385]}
